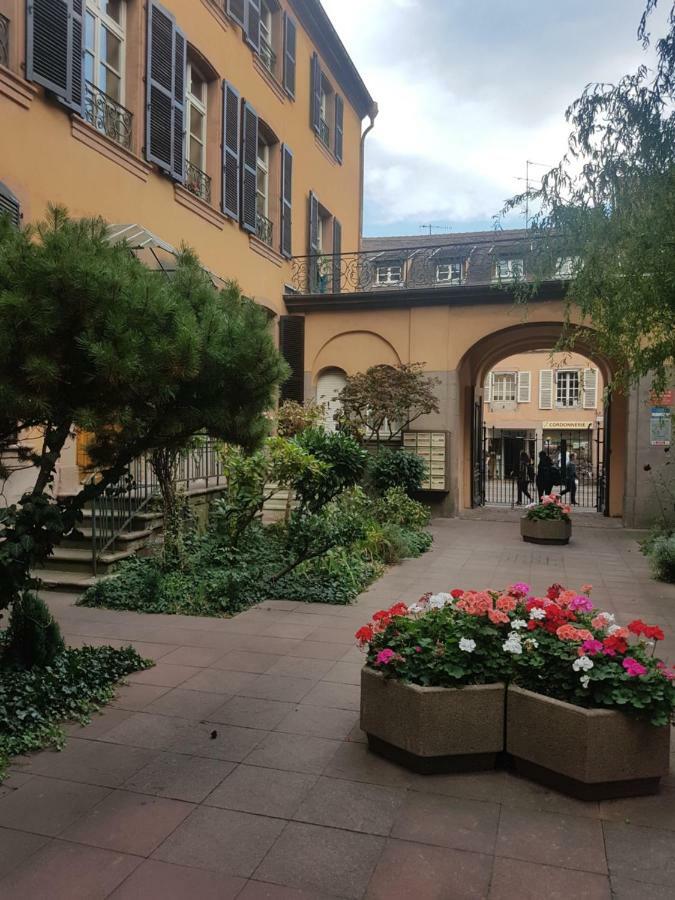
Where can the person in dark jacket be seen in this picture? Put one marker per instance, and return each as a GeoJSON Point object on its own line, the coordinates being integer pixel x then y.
{"type": "Point", "coordinates": [544, 474]}
{"type": "Point", "coordinates": [524, 466]}
{"type": "Point", "coordinates": [571, 479]}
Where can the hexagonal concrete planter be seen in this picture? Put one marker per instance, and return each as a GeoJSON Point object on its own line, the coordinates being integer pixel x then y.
{"type": "Point", "coordinates": [545, 531]}
{"type": "Point", "coordinates": [432, 729]}
{"type": "Point", "coordinates": [593, 754]}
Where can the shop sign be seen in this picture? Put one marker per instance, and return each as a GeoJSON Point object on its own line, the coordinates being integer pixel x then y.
{"type": "Point", "coordinates": [665, 399]}
{"type": "Point", "coordinates": [661, 426]}
{"type": "Point", "coordinates": [567, 426]}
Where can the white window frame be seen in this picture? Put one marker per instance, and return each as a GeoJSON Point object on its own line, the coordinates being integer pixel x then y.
{"type": "Point", "coordinates": [119, 29]}
{"type": "Point", "coordinates": [385, 274]}
{"type": "Point", "coordinates": [565, 266]}
{"type": "Point", "coordinates": [566, 395]}
{"type": "Point", "coordinates": [263, 166]}
{"type": "Point", "coordinates": [201, 107]}
{"type": "Point", "coordinates": [509, 268]}
{"type": "Point", "coordinates": [267, 34]}
{"type": "Point", "coordinates": [453, 272]}
{"type": "Point", "coordinates": [500, 382]}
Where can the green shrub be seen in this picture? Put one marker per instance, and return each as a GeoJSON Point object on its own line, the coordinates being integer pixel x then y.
{"type": "Point", "coordinates": [33, 636]}
{"type": "Point", "coordinates": [337, 578]}
{"type": "Point", "coordinates": [397, 469]}
{"type": "Point", "coordinates": [399, 509]}
{"type": "Point", "coordinates": [346, 464]}
{"type": "Point", "coordinates": [662, 554]}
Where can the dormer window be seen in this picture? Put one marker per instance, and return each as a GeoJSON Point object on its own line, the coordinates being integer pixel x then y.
{"type": "Point", "coordinates": [389, 274]}
{"type": "Point", "coordinates": [449, 271]}
{"type": "Point", "coordinates": [509, 268]}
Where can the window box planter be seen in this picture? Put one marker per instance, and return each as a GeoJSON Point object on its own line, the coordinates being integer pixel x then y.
{"type": "Point", "coordinates": [546, 531]}
{"type": "Point", "coordinates": [593, 754]}
{"type": "Point", "coordinates": [433, 729]}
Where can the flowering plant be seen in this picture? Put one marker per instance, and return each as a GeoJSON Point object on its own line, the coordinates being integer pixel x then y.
{"type": "Point", "coordinates": [551, 507]}
{"type": "Point", "coordinates": [558, 645]}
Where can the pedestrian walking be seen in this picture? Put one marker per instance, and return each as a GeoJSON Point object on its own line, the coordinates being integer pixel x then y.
{"type": "Point", "coordinates": [524, 471]}
{"type": "Point", "coordinates": [545, 479]}
{"type": "Point", "coordinates": [571, 478]}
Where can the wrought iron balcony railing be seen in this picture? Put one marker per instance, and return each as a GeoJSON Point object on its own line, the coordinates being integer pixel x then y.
{"type": "Point", "coordinates": [4, 40]}
{"type": "Point", "coordinates": [197, 182]}
{"type": "Point", "coordinates": [108, 116]}
{"type": "Point", "coordinates": [373, 270]}
{"type": "Point", "coordinates": [324, 132]}
{"type": "Point", "coordinates": [267, 55]}
{"type": "Point", "coordinates": [264, 229]}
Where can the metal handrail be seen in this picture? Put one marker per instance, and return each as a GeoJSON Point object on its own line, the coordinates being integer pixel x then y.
{"type": "Point", "coordinates": [115, 509]}
{"type": "Point", "coordinates": [197, 181]}
{"type": "Point", "coordinates": [107, 115]}
{"type": "Point", "coordinates": [267, 55]}
{"type": "Point", "coordinates": [264, 229]}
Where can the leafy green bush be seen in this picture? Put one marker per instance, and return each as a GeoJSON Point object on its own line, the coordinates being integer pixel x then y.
{"type": "Point", "coordinates": [34, 702]}
{"type": "Point", "coordinates": [399, 509]}
{"type": "Point", "coordinates": [337, 578]}
{"type": "Point", "coordinates": [397, 469]}
{"type": "Point", "coordinates": [345, 466]}
{"type": "Point", "coordinates": [33, 637]}
{"type": "Point", "coordinates": [662, 555]}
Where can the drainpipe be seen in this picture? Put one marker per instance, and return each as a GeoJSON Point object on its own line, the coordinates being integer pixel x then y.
{"type": "Point", "coordinates": [372, 115]}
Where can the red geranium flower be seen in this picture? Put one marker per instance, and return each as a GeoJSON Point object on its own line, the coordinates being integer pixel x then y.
{"type": "Point", "coordinates": [365, 635]}
{"type": "Point", "coordinates": [554, 591]}
{"type": "Point", "coordinates": [398, 609]}
{"type": "Point", "coordinates": [614, 645]}
{"type": "Point", "coordinates": [456, 594]}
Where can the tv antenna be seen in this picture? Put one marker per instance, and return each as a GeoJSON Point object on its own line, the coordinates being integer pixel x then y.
{"type": "Point", "coordinates": [527, 181]}
{"type": "Point", "coordinates": [432, 228]}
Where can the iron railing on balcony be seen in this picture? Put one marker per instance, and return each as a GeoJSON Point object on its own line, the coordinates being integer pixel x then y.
{"type": "Point", "coordinates": [107, 115]}
{"type": "Point", "coordinates": [324, 132]}
{"type": "Point", "coordinates": [4, 40]}
{"type": "Point", "coordinates": [197, 182]}
{"type": "Point", "coordinates": [114, 511]}
{"type": "Point", "coordinates": [264, 229]}
{"type": "Point", "coordinates": [401, 269]}
{"type": "Point", "coordinates": [267, 55]}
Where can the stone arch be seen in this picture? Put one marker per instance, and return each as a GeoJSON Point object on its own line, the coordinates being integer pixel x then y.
{"type": "Point", "coordinates": [354, 351]}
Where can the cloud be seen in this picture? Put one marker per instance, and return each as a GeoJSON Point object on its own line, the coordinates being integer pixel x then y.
{"type": "Point", "coordinates": [469, 90]}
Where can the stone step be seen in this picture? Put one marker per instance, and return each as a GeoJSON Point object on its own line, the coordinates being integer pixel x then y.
{"type": "Point", "coordinates": [69, 559]}
{"type": "Point", "coordinates": [67, 582]}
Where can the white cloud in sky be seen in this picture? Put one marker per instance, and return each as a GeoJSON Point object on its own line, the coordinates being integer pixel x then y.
{"type": "Point", "coordinates": [469, 90]}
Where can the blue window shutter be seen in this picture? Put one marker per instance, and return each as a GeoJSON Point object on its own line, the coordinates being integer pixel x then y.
{"type": "Point", "coordinates": [313, 248]}
{"type": "Point", "coordinates": [286, 202]}
{"type": "Point", "coordinates": [292, 347]}
{"type": "Point", "coordinates": [9, 205]}
{"type": "Point", "coordinates": [252, 26]}
{"type": "Point", "coordinates": [231, 151]}
{"type": "Point", "coordinates": [290, 50]}
{"type": "Point", "coordinates": [54, 48]}
{"type": "Point", "coordinates": [236, 10]}
{"type": "Point", "coordinates": [179, 103]}
{"type": "Point", "coordinates": [249, 169]}
{"type": "Point", "coordinates": [339, 126]}
{"type": "Point", "coordinates": [315, 98]}
{"type": "Point", "coordinates": [337, 256]}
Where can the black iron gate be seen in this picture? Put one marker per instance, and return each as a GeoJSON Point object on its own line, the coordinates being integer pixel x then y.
{"type": "Point", "coordinates": [505, 463]}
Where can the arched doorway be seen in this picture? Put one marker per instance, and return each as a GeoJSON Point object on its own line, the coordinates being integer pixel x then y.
{"type": "Point", "coordinates": [576, 385]}
{"type": "Point", "coordinates": [328, 386]}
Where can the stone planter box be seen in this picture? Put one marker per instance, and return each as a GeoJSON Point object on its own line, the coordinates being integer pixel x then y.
{"type": "Point", "coordinates": [594, 754]}
{"type": "Point", "coordinates": [545, 531]}
{"type": "Point", "coordinates": [432, 730]}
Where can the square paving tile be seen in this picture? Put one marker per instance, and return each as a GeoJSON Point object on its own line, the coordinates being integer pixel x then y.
{"type": "Point", "coordinates": [656, 812]}
{"type": "Point", "coordinates": [318, 650]}
{"type": "Point", "coordinates": [64, 871]}
{"type": "Point", "coordinates": [369, 808]}
{"type": "Point", "coordinates": [128, 823]}
{"type": "Point", "coordinates": [191, 705]}
{"type": "Point", "coordinates": [221, 840]}
{"type": "Point", "coordinates": [345, 673]}
{"type": "Point", "coordinates": [247, 661]}
{"type": "Point", "coordinates": [48, 805]}
{"type": "Point", "coordinates": [137, 696]}
{"type": "Point", "coordinates": [303, 668]}
{"type": "Point", "coordinates": [333, 860]}
{"type": "Point", "coordinates": [573, 842]}
{"type": "Point", "coordinates": [145, 729]}
{"type": "Point", "coordinates": [293, 753]}
{"type": "Point", "coordinates": [342, 696]}
{"type": "Point", "coordinates": [193, 656]}
{"type": "Point", "coordinates": [460, 823]}
{"type": "Point", "coordinates": [526, 794]}
{"type": "Point", "coordinates": [180, 777]}
{"type": "Point", "coordinates": [168, 882]}
{"type": "Point", "coordinates": [269, 792]}
{"type": "Point", "coordinates": [354, 762]}
{"type": "Point", "coordinates": [219, 681]}
{"type": "Point", "coordinates": [640, 854]}
{"type": "Point", "coordinates": [320, 722]}
{"type": "Point", "coordinates": [259, 890]}
{"type": "Point", "coordinates": [625, 889]}
{"type": "Point", "coordinates": [164, 675]}
{"type": "Point", "coordinates": [91, 762]}
{"type": "Point", "coordinates": [530, 881]}
{"type": "Point", "coordinates": [251, 712]}
{"type": "Point", "coordinates": [219, 741]}
{"type": "Point", "coordinates": [101, 722]}
{"type": "Point", "coordinates": [278, 687]}
{"type": "Point", "coordinates": [15, 847]}
{"type": "Point", "coordinates": [417, 871]}
{"type": "Point", "coordinates": [472, 785]}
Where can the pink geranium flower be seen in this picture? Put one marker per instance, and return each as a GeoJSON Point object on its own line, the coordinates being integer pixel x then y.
{"type": "Point", "coordinates": [580, 604]}
{"type": "Point", "coordinates": [384, 657]}
{"type": "Point", "coordinates": [591, 648]}
{"type": "Point", "coordinates": [520, 589]}
{"type": "Point", "coordinates": [497, 617]}
{"type": "Point", "coordinates": [633, 667]}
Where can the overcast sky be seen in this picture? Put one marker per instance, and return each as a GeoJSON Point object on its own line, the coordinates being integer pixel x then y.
{"type": "Point", "coordinates": [468, 91]}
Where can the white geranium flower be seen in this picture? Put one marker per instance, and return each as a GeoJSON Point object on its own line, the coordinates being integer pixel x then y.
{"type": "Point", "coordinates": [517, 624]}
{"type": "Point", "coordinates": [584, 662]}
{"type": "Point", "coordinates": [513, 644]}
{"type": "Point", "coordinates": [531, 643]}
{"type": "Point", "coordinates": [415, 608]}
{"type": "Point", "coordinates": [438, 601]}
{"type": "Point", "coordinates": [585, 680]}
{"type": "Point", "coordinates": [467, 645]}
{"type": "Point", "coordinates": [537, 613]}
{"type": "Point", "coordinates": [612, 629]}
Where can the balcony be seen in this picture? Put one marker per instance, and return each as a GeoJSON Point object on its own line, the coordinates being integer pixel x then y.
{"type": "Point", "coordinates": [264, 230]}
{"type": "Point", "coordinates": [197, 182]}
{"type": "Point", "coordinates": [107, 116]}
{"type": "Point", "coordinates": [4, 41]}
{"type": "Point", "coordinates": [267, 55]}
{"type": "Point", "coordinates": [324, 132]}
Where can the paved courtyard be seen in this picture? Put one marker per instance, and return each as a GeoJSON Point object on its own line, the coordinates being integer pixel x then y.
{"type": "Point", "coordinates": [236, 768]}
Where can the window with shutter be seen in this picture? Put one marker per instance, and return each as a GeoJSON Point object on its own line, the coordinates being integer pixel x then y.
{"type": "Point", "coordinates": [315, 93]}
{"type": "Point", "coordinates": [328, 387]}
{"type": "Point", "coordinates": [339, 127]}
{"type": "Point", "coordinates": [54, 48]}
{"type": "Point", "coordinates": [590, 388]}
{"type": "Point", "coordinates": [249, 169]}
{"type": "Point", "coordinates": [292, 347]}
{"type": "Point", "coordinates": [337, 256]}
{"type": "Point", "coordinates": [290, 45]}
{"type": "Point", "coordinates": [236, 10]}
{"type": "Point", "coordinates": [524, 380]}
{"type": "Point", "coordinates": [314, 248]}
{"type": "Point", "coordinates": [252, 24]}
{"type": "Point", "coordinates": [9, 205]}
{"type": "Point", "coordinates": [231, 150]}
{"type": "Point", "coordinates": [165, 114]}
{"type": "Point", "coordinates": [546, 389]}
{"type": "Point", "coordinates": [487, 388]}
{"type": "Point", "coordinates": [286, 201]}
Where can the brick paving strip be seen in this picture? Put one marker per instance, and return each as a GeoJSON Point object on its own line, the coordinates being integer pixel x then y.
{"type": "Point", "coordinates": [236, 768]}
